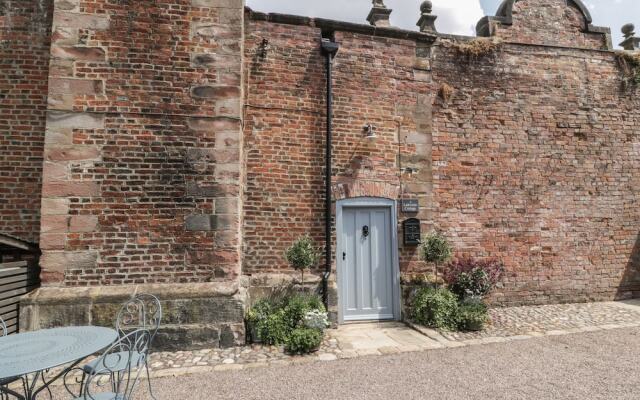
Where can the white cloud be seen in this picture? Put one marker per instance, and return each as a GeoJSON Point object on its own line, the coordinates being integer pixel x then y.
{"type": "Point", "coordinates": [454, 16]}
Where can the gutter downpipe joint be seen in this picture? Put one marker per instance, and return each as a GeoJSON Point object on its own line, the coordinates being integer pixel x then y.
{"type": "Point", "coordinates": [329, 49]}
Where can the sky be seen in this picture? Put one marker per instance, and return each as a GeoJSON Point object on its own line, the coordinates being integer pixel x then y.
{"type": "Point", "coordinates": [454, 16]}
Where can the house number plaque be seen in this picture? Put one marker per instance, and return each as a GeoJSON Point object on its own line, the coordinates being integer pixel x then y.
{"type": "Point", "coordinates": [410, 206]}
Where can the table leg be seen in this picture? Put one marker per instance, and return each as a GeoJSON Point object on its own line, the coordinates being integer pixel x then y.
{"type": "Point", "coordinates": [6, 390]}
{"type": "Point", "coordinates": [33, 392]}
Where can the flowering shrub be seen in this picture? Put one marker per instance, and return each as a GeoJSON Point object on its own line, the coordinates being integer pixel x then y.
{"type": "Point", "coordinates": [277, 320]}
{"type": "Point", "coordinates": [468, 277]}
{"type": "Point", "coordinates": [316, 319]}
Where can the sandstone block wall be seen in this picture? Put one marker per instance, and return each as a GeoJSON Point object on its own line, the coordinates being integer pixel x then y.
{"type": "Point", "coordinates": [25, 35]}
{"type": "Point", "coordinates": [142, 172]}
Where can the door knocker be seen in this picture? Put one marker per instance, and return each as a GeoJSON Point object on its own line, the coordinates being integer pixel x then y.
{"type": "Point", "coordinates": [365, 231]}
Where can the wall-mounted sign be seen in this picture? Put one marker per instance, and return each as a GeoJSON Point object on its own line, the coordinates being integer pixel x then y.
{"type": "Point", "coordinates": [411, 232]}
{"type": "Point", "coordinates": [410, 206]}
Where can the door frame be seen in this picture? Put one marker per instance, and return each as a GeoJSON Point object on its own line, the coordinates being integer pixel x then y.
{"type": "Point", "coordinates": [368, 202]}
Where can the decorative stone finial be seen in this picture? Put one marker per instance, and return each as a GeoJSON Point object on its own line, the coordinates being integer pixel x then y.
{"type": "Point", "coordinates": [628, 30]}
{"type": "Point", "coordinates": [426, 7]}
{"type": "Point", "coordinates": [379, 14]}
{"type": "Point", "coordinates": [631, 42]}
{"type": "Point", "coordinates": [427, 21]}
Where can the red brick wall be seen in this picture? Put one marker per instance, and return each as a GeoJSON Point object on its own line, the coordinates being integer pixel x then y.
{"type": "Point", "coordinates": [531, 160]}
{"type": "Point", "coordinates": [24, 60]}
{"type": "Point", "coordinates": [550, 22]}
{"type": "Point", "coordinates": [534, 163]}
{"type": "Point", "coordinates": [285, 132]}
{"type": "Point", "coordinates": [142, 174]}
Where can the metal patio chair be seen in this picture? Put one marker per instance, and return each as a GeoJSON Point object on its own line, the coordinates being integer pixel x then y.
{"type": "Point", "coordinates": [141, 312]}
{"type": "Point", "coordinates": [5, 382]}
{"type": "Point", "coordinates": [116, 372]}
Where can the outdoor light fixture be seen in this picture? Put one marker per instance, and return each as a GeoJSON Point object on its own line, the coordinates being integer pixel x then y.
{"type": "Point", "coordinates": [370, 132]}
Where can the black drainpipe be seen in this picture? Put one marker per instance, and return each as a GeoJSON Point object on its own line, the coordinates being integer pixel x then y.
{"type": "Point", "coordinates": [329, 49]}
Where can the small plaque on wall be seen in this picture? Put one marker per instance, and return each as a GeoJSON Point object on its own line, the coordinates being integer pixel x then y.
{"type": "Point", "coordinates": [410, 206]}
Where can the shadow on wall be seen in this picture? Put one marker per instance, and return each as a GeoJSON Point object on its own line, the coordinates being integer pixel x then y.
{"type": "Point", "coordinates": [630, 285]}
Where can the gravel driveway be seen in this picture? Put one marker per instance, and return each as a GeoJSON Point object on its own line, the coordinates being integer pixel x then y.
{"type": "Point", "coordinates": [600, 365]}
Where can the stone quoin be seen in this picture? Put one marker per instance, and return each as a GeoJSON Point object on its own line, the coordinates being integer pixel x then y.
{"type": "Point", "coordinates": [179, 145]}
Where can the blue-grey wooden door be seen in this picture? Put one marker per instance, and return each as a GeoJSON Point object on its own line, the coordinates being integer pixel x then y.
{"type": "Point", "coordinates": [367, 281]}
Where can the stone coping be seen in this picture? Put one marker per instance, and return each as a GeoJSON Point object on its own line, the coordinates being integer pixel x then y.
{"type": "Point", "coordinates": [329, 24]}
{"type": "Point", "coordinates": [51, 295]}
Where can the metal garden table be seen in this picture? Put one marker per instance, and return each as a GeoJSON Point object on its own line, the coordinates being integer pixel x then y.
{"type": "Point", "coordinates": [34, 353]}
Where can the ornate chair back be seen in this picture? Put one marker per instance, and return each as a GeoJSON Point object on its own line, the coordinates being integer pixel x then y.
{"type": "Point", "coordinates": [118, 369]}
{"type": "Point", "coordinates": [142, 311]}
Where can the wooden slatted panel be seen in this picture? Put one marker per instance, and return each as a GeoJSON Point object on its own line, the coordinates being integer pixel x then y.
{"type": "Point", "coordinates": [16, 280]}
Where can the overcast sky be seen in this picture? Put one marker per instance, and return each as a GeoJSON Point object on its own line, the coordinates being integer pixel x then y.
{"type": "Point", "coordinates": [454, 16]}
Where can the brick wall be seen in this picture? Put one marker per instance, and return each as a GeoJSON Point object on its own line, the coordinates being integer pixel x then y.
{"type": "Point", "coordinates": [152, 166]}
{"type": "Point", "coordinates": [531, 159]}
{"type": "Point", "coordinates": [142, 165]}
{"type": "Point", "coordinates": [548, 22]}
{"type": "Point", "coordinates": [534, 160]}
{"type": "Point", "coordinates": [24, 60]}
{"type": "Point", "coordinates": [377, 80]}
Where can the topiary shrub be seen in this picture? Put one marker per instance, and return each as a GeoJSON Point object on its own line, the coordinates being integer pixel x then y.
{"type": "Point", "coordinates": [473, 314]}
{"type": "Point", "coordinates": [468, 277]}
{"type": "Point", "coordinates": [435, 248]}
{"type": "Point", "coordinates": [304, 340]}
{"type": "Point", "coordinates": [302, 255]}
{"type": "Point", "coordinates": [435, 308]}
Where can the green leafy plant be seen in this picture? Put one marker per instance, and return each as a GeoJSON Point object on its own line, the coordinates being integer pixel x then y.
{"type": "Point", "coordinates": [302, 255]}
{"type": "Point", "coordinates": [298, 306]}
{"type": "Point", "coordinates": [468, 277]}
{"type": "Point", "coordinates": [435, 249]}
{"type": "Point", "coordinates": [436, 308]}
{"type": "Point", "coordinates": [273, 319]}
{"type": "Point", "coordinates": [274, 330]}
{"type": "Point", "coordinates": [473, 314]}
{"type": "Point", "coordinates": [304, 340]}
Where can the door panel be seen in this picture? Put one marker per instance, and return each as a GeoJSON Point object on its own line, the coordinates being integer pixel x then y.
{"type": "Point", "coordinates": [367, 281]}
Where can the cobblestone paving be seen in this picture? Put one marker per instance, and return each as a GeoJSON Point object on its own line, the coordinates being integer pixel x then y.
{"type": "Point", "coordinates": [349, 341]}
{"type": "Point", "coordinates": [535, 320]}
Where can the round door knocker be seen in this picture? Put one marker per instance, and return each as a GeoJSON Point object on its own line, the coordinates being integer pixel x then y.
{"type": "Point", "coordinates": [365, 231]}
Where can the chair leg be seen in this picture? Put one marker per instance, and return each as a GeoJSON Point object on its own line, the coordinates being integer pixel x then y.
{"type": "Point", "coordinates": [146, 365]}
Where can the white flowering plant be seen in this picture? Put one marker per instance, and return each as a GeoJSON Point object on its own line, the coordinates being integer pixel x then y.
{"type": "Point", "coordinates": [316, 319]}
